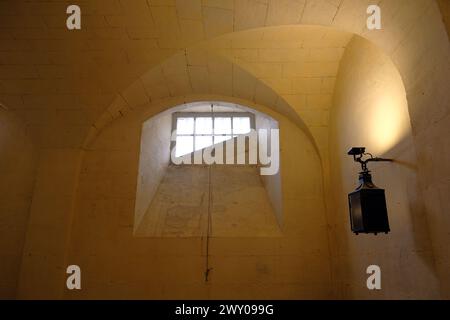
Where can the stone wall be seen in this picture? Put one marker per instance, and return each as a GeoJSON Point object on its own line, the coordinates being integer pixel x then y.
{"type": "Point", "coordinates": [370, 109]}
{"type": "Point", "coordinates": [17, 172]}
{"type": "Point", "coordinates": [153, 161]}
{"type": "Point", "coordinates": [116, 264]}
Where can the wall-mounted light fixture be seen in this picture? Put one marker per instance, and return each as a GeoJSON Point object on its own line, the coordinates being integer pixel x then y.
{"type": "Point", "coordinates": [367, 204]}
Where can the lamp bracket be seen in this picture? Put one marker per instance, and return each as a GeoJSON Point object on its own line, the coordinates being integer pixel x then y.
{"type": "Point", "coordinates": [360, 155]}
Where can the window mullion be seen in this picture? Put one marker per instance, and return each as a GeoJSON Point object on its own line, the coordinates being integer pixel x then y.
{"type": "Point", "coordinates": [232, 127]}
{"type": "Point", "coordinates": [193, 138]}
{"type": "Point", "coordinates": [197, 134]}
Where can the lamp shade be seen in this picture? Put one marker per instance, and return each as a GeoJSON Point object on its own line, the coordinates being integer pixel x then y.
{"type": "Point", "coordinates": [367, 204]}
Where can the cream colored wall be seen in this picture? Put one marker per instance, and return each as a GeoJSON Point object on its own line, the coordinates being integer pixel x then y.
{"type": "Point", "coordinates": [43, 267]}
{"type": "Point", "coordinates": [117, 265]}
{"type": "Point", "coordinates": [370, 109]}
{"type": "Point", "coordinates": [272, 183]}
{"type": "Point", "coordinates": [414, 36]}
{"type": "Point", "coordinates": [154, 159]}
{"type": "Point", "coordinates": [17, 172]}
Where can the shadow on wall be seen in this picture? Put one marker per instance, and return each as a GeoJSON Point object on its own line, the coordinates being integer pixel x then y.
{"type": "Point", "coordinates": [401, 175]}
{"type": "Point", "coordinates": [17, 175]}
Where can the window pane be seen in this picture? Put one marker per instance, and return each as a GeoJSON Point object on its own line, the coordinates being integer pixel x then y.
{"type": "Point", "coordinates": [184, 145]}
{"type": "Point", "coordinates": [218, 139]}
{"type": "Point", "coordinates": [185, 126]}
{"type": "Point", "coordinates": [222, 125]}
{"type": "Point", "coordinates": [241, 125]}
{"type": "Point", "coordinates": [203, 125]}
{"type": "Point", "coordinates": [202, 142]}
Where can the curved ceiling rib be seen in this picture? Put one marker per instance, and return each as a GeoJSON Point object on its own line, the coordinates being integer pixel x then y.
{"type": "Point", "coordinates": [180, 76]}
{"type": "Point", "coordinates": [290, 69]}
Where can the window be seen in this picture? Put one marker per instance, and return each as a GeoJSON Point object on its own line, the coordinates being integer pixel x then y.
{"type": "Point", "coordinates": [196, 131]}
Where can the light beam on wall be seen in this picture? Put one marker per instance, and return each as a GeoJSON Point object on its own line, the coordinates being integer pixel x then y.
{"type": "Point", "coordinates": [387, 121]}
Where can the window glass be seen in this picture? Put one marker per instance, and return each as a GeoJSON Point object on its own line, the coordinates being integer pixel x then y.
{"type": "Point", "coordinates": [219, 139]}
{"type": "Point", "coordinates": [203, 125]}
{"type": "Point", "coordinates": [222, 125]}
{"type": "Point", "coordinates": [196, 132]}
{"type": "Point", "coordinates": [202, 142]}
{"type": "Point", "coordinates": [241, 125]}
{"type": "Point", "coordinates": [184, 145]}
{"type": "Point", "coordinates": [185, 126]}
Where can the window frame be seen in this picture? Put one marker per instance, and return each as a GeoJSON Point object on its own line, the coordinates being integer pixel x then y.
{"type": "Point", "coordinates": [209, 114]}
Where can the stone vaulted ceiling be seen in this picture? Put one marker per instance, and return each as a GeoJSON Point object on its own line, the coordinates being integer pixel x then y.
{"type": "Point", "coordinates": [289, 69]}
{"type": "Point", "coordinates": [60, 82]}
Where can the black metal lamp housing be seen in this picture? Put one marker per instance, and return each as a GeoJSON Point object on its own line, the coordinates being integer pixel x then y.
{"type": "Point", "coordinates": [367, 204]}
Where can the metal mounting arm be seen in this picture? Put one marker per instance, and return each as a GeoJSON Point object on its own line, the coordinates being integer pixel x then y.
{"type": "Point", "coordinates": [359, 152]}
